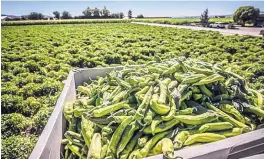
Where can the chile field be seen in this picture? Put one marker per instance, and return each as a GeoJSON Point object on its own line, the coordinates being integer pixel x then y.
{"type": "Point", "coordinates": [37, 59]}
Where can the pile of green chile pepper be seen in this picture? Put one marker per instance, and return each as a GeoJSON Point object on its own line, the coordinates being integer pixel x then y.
{"type": "Point", "coordinates": [159, 107]}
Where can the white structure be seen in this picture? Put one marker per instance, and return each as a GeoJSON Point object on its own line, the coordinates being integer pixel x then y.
{"type": "Point", "coordinates": [125, 17]}
{"type": "Point", "coordinates": [10, 17]}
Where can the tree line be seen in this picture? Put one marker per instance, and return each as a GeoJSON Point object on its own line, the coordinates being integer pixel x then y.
{"type": "Point", "coordinates": [88, 13]}
{"type": "Point", "coordinates": [243, 15]}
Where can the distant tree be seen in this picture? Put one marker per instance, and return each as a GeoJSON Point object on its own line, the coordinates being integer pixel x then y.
{"type": "Point", "coordinates": [35, 16]}
{"type": "Point", "coordinates": [40, 16]}
{"type": "Point", "coordinates": [140, 16]}
{"type": "Point", "coordinates": [56, 14]}
{"type": "Point", "coordinates": [105, 12]}
{"type": "Point", "coordinates": [204, 18]}
{"type": "Point", "coordinates": [96, 12]}
{"type": "Point", "coordinates": [115, 15]}
{"type": "Point", "coordinates": [121, 15]}
{"type": "Point", "coordinates": [77, 17]}
{"type": "Point", "coordinates": [87, 12]}
{"type": "Point", "coordinates": [66, 15]}
{"type": "Point", "coordinates": [129, 14]}
{"type": "Point", "coordinates": [246, 14]}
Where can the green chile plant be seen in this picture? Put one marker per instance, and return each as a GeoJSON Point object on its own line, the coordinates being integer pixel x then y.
{"type": "Point", "coordinates": [37, 58]}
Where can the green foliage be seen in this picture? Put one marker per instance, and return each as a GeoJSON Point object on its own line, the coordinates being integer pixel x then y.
{"type": "Point", "coordinates": [41, 117]}
{"type": "Point", "coordinates": [35, 16]}
{"type": "Point", "coordinates": [72, 21]}
{"type": "Point", "coordinates": [246, 14]}
{"type": "Point", "coordinates": [17, 146]}
{"type": "Point", "coordinates": [204, 18]}
{"type": "Point", "coordinates": [129, 14]}
{"type": "Point", "coordinates": [140, 16]}
{"type": "Point", "coordinates": [96, 12]}
{"type": "Point", "coordinates": [87, 12]}
{"type": "Point", "coordinates": [66, 15]}
{"type": "Point", "coordinates": [56, 14]}
{"type": "Point", "coordinates": [105, 12]}
{"type": "Point", "coordinates": [117, 15]}
{"type": "Point", "coordinates": [121, 15]}
{"type": "Point", "coordinates": [14, 124]}
{"type": "Point", "coordinates": [36, 59]}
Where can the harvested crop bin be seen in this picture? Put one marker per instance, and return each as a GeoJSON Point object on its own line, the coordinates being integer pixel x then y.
{"type": "Point", "coordinates": [178, 108]}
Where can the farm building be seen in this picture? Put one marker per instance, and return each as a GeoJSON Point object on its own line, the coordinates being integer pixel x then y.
{"type": "Point", "coordinates": [10, 17]}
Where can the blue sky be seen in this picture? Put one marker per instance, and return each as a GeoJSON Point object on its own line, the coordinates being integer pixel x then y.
{"type": "Point", "coordinates": [147, 8]}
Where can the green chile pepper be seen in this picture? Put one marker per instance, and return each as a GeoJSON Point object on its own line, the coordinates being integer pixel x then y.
{"type": "Point", "coordinates": [183, 106]}
{"type": "Point", "coordinates": [107, 110]}
{"type": "Point", "coordinates": [230, 133]}
{"type": "Point", "coordinates": [104, 150]}
{"type": "Point", "coordinates": [172, 69]}
{"type": "Point", "coordinates": [135, 155]}
{"type": "Point", "coordinates": [186, 96]}
{"type": "Point", "coordinates": [186, 111]}
{"type": "Point", "coordinates": [179, 77]}
{"type": "Point", "coordinates": [163, 93]}
{"type": "Point", "coordinates": [84, 90]}
{"type": "Point", "coordinates": [205, 91]}
{"type": "Point", "coordinates": [229, 109]}
{"type": "Point", "coordinates": [95, 147]}
{"type": "Point", "coordinates": [197, 119]}
{"type": "Point", "coordinates": [105, 88]}
{"type": "Point", "coordinates": [149, 116]}
{"type": "Point", "coordinates": [210, 79]}
{"type": "Point", "coordinates": [73, 124]}
{"type": "Point", "coordinates": [162, 127]}
{"type": "Point", "coordinates": [122, 82]}
{"type": "Point", "coordinates": [193, 78]}
{"type": "Point", "coordinates": [130, 146]}
{"type": "Point", "coordinates": [222, 97]}
{"type": "Point", "coordinates": [76, 151]}
{"type": "Point", "coordinates": [119, 97]}
{"type": "Point", "coordinates": [215, 126]}
{"type": "Point", "coordinates": [66, 154]}
{"type": "Point", "coordinates": [87, 130]}
{"type": "Point", "coordinates": [201, 70]}
{"type": "Point", "coordinates": [254, 110]}
{"type": "Point", "coordinates": [73, 135]}
{"type": "Point", "coordinates": [161, 109]}
{"type": "Point", "coordinates": [204, 138]}
{"type": "Point", "coordinates": [180, 138]}
{"type": "Point", "coordinates": [226, 117]}
{"type": "Point", "coordinates": [68, 111]}
{"type": "Point", "coordinates": [166, 147]}
{"type": "Point", "coordinates": [259, 98]}
{"type": "Point", "coordinates": [117, 90]}
{"type": "Point", "coordinates": [127, 135]}
{"type": "Point", "coordinates": [118, 132]}
{"type": "Point", "coordinates": [142, 141]}
{"type": "Point", "coordinates": [197, 96]}
{"type": "Point", "coordinates": [72, 140]}
{"type": "Point", "coordinates": [145, 150]}
{"type": "Point", "coordinates": [142, 108]}
{"type": "Point", "coordinates": [156, 121]}
{"type": "Point", "coordinates": [172, 85]}
{"type": "Point", "coordinates": [172, 110]}
{"type": "Point", "coordinates": [143, 91]}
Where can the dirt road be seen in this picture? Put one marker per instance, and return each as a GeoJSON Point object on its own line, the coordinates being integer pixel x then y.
{"type": "Point", "coordinates": [239, 31]}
